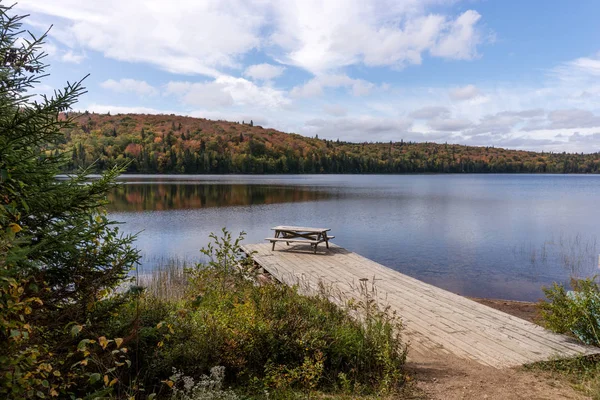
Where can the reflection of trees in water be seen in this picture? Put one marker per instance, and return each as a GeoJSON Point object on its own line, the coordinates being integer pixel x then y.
{"type": "Point", "coordinates": [169, 196]}
{"type": "Point", "coordinates": [576, 254]}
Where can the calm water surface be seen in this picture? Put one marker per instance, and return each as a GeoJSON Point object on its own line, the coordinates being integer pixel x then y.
{"type": "Point", "coordinates": [497, 236]}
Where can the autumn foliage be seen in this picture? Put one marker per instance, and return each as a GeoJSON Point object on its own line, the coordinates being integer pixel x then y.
{"type": "Point", "coordinates": [177, 144]}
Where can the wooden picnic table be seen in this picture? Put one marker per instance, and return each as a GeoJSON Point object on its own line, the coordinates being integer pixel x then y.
{"type": "Point", "coordinates": [300, 234]}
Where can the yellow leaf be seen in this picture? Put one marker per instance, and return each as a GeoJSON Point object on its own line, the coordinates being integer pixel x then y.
{"type": "Point", "coordinates": [53, 393]}
{"type": "Point", "coordinates": [160, 344]}
{"type": "Point", "coordinates": [105, 380]}
{"type": "Point", "coordinates": [84, 361]}
{"type": "Point", "coordinates": [15, 227]}
{"type": "Point", "coordinates": [118, 341]}
{"type": "Point", "coordinates": [115, 380]}
{"type": "Point", "coordinates": [103, 342]}
{"type": "Point", "coordinates": [169, 383]}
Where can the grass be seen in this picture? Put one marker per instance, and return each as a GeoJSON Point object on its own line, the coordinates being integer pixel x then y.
{"type": "Point", "coordinates": [166, 280]}
{"type": "Point", "coordinates": [575, 313]}
{"type": "Point", "coordinates": [583, 373]}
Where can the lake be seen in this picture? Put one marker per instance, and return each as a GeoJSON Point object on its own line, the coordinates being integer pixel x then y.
{"type": "Point", "coordinates": [494, 236]}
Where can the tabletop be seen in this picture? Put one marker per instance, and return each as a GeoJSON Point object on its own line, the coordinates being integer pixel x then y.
{"type": "Point", "coordinates": [299, 229]}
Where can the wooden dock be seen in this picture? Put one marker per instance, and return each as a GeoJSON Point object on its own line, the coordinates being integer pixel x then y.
{"type": "Point", "coordinates": [435, 320]}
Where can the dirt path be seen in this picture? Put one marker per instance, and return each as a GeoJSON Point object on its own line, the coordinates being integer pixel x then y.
{"type": "Point", "coordinates": [451, 378]}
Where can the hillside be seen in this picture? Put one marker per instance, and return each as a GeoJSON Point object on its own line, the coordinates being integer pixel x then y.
{"type": "Point", "coordinates": [176, 144]}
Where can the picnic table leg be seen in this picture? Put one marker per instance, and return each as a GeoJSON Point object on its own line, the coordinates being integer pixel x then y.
{"type": "Point", "coordinates": [326, 239]}
{"type": "Point", "coordinates": [276, 236]}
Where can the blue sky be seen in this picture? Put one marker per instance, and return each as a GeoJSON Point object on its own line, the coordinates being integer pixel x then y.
{"type": "Point", "coordinates": [516, 74]}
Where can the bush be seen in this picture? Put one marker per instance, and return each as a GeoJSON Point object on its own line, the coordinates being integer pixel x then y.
{"type": "Point", "coordinates": [574, 312]}
{"type": "Point", "coordinates": [267, 337]}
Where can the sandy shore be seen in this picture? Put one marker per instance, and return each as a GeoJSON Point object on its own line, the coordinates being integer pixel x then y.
{"type": "Point", "coordinates": [522, 309]}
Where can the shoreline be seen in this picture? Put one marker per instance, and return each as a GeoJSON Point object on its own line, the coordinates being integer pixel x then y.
{"type": "Point", "coordinates": [522, 309]}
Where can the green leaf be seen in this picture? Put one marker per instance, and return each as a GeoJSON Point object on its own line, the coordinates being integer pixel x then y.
{"type": "Point", "coordinates": [95, 377]}
{"type": "Point", "coordinates": [82, 345]}
{"type": "Point", "coordinates": [76, 329]}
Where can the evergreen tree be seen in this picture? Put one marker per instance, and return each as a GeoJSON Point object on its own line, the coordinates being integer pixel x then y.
{"type": "Point", "coordinates": [59, 253]}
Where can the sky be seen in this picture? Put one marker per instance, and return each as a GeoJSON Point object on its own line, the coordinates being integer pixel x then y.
{"type": "Point", "coordinates": [505, 73]}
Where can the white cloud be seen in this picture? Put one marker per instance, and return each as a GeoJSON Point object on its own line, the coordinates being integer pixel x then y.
{"type": "Point", "coordinates": [316, 86]}
{"type": "Point", "coordinates": [573, 118]}
{"type": "Point", "coordinates": [430, 112]}
{"type": "Point", "coordinates": [363, 128]}
{"type": "Point", "coordinates": [263, 72]}
{"type": "Point", "coordinates": [461, 38]}
{"type": "Point", "coordinates": [587, 65]}
{"type": "Point", "coordinates": [227, 91]}
{"type": "Point", "coordinates": [496, 124]}
{"type": "Point", "coordinates": [190, 37]}
{"type": "Point", "coordinates": [464, 93]}
{"type": "Point", "coordinates": [203, 37]}
{"type": "Point", "coordinates": [335, 110]}
{"type": "Point", "coordinates": [114, 109]}
{"type": "Point", "coordinates": [450, 125]}
{"type": "Point", "coordinates": [323, 36]}
{"type": "Point", "coordinates": [202, 94]}
{"type": "Point", "coordinates": [579, 69]}
{"type": "Point", "coordinates": [72, 57]}
{"type": "Point", "coordinates": [49, 48]}
{"type": "Point", "coordinates": [141, 88]}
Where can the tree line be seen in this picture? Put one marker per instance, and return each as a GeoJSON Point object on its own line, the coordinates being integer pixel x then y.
{"type": "Point", "coordinates": [183, 145]}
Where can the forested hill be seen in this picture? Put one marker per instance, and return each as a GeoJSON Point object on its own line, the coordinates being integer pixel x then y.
{"type": "Point", "coordinates": [175, 144]}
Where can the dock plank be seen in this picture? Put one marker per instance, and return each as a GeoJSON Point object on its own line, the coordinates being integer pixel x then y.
{"type": "Point", "coordinates": [435, 320]}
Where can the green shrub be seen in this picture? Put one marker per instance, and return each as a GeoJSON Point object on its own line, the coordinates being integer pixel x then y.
{"type": "Point", "coordinates": [60, 255]}
{"type": "Point", "coordinates": [574, 312]}
{"type": "Point", "coordinates": [267, 337]}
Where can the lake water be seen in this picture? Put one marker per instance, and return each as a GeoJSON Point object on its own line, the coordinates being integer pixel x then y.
{"type": "Point", "coordinates": [495, 236]}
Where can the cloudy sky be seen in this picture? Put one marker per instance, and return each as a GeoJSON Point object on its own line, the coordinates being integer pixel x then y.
{"type": "Point", "coordinates": [511, 73]}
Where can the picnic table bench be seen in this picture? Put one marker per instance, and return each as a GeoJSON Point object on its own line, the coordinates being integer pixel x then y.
{"type": "Point", "coordinates": [300, 234]}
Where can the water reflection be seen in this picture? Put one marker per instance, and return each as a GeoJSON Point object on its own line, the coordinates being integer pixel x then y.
{"type": "Point", "coordinates": [176, 196]}
{"type": "Point", "coordinates": [495, 236]}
